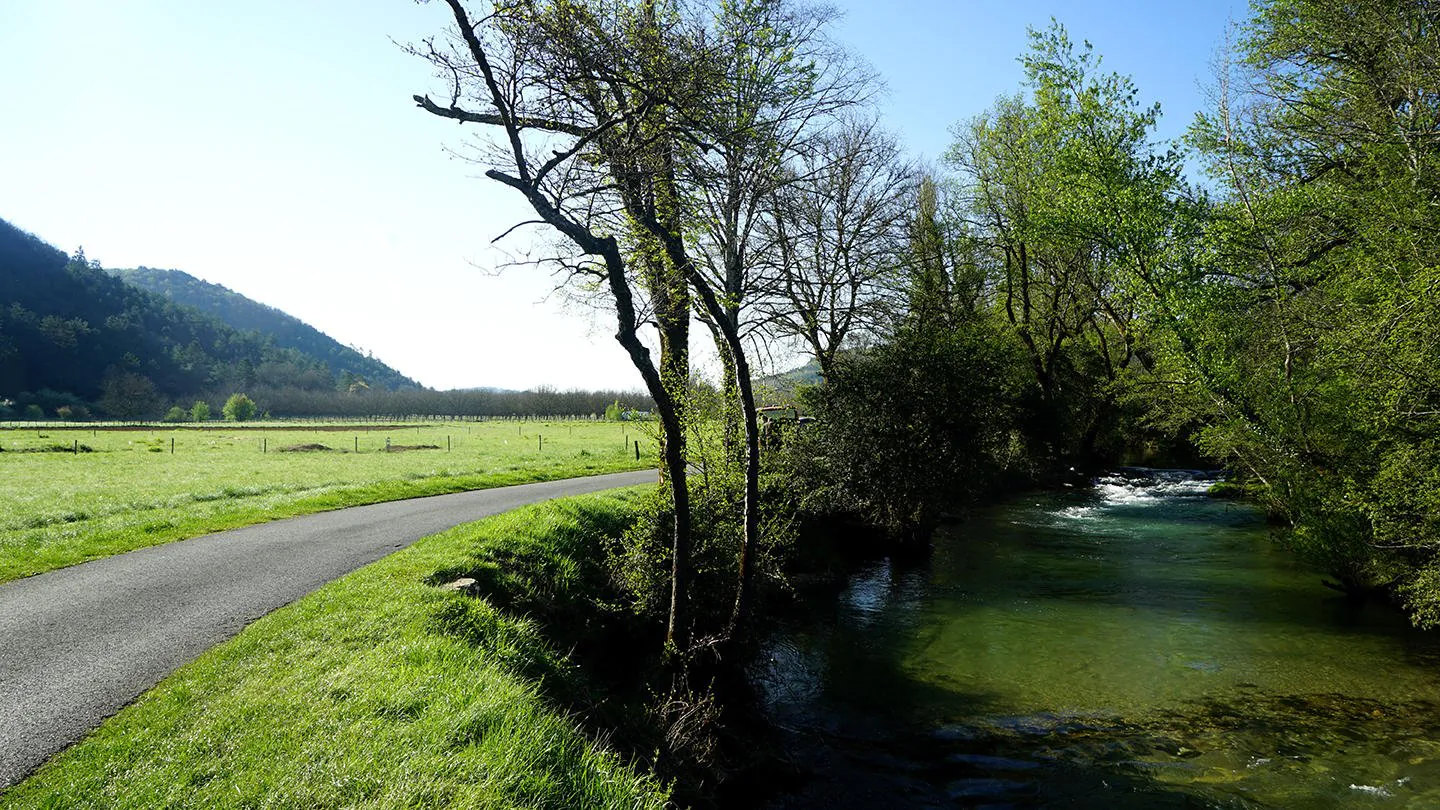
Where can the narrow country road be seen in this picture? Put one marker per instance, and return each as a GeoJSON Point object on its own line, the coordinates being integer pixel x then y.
{"type": "Point", "coordinates": [78, 644]}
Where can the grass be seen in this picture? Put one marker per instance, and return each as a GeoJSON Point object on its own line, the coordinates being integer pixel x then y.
{"type": "Point", "coordinates": [62, 508]}
{"type": "Point", "coordinates": [380, 690]}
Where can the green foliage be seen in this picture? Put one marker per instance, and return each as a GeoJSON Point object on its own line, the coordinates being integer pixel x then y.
{"type": "Point", "coordinates": [34, 413]}
{"type": "Point", "coordinates": [72, 413]}
{"type": "Point", "coordinates": [200, 411]}
{"type": "Point", "coordinates": [639, 559]}
{"type": "Point", "coordinates": [1301, 324]}
{"type": "Point", "coordinates": [922, 424]}
{"type": "Point", "coordinates": [285, 331]}
{"type": "Point", "coordinates": [129, 396]}
{"type": "Point", "coordinates": [1071, 213]}
{"type": "Point", "coordinates": [613, 411]}
{"type": "Point", "coordinates": [238, 408]}
{"type": "Point", "coordinates": [175, 414]}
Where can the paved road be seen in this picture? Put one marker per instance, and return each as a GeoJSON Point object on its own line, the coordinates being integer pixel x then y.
{"type": "Point", "coordinates": [78, 644]}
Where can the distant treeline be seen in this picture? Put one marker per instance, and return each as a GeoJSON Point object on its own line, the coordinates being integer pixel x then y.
{"type": "Point", "coordinates": [292, 402]}
{"type": "Point", "coordinates": [297, 403]}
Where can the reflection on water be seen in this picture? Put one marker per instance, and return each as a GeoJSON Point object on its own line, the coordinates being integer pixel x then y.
{"type": "Point", "coordinates": [1137, 645]}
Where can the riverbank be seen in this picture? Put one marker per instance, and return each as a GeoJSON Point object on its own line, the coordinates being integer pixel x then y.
{"type": "Point", "coordinates": [392, 687]}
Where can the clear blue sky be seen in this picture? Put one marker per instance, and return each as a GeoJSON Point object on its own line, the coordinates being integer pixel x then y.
{"type": "Point", "coordinates": [271, 146]}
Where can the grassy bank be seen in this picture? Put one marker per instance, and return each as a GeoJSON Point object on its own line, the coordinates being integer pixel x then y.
{"type": "Point", "coordinates": [126, 489]}
{"type": "Point", "coordinates": [382, 690]}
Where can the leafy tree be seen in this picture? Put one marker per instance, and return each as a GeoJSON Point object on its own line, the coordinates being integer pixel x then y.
{"type": "Point", "coordinates": [647, 134]}
{"type": "Point", "coordinates": [578, 93]}
{"type": "Point", "coordinates": [1308, 337]}
{"type": "Point", "coordinates": [918, 425]}
{"type": "Point", "coordinates": [200, 411]}
{"type": "Point", "coordinates": [128, 396]}
{"type": "Point", "coordinates": [239, 408]}
{"type": "Point", "coordinates": [1071, 211]}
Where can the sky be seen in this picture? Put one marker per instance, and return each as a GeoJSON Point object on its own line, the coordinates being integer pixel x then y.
{"type": "Point", "coordinates": [271, 146]}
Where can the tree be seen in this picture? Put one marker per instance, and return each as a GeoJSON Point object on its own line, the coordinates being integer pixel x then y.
{"type": "Point", "coordinates": [580, 95]}
{"type": "Point", "coordinates": [239, 408]}
{"type": "Point", "coordinates": [1071, 209]}
{"type": "Point", "coordinates": [915, 426]}
{"type": "Point", "coordinates": [127, 396]}
{"type": "Point", "coordinates": [1308, 341]}
{"type": "Point", "coordinates": [837, 237]}
{"type": "Point", "coordinates": [777, 86]}
{"type": "Point", "coordinates": [648, 134]}
{"type": "Point", "coordinates": [200, 411]}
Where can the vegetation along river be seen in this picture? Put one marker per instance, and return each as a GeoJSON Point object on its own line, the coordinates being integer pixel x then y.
{"type": "Point", "coordinates": [1138, 645]}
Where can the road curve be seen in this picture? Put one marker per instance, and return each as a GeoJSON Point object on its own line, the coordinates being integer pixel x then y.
{"type": "Point", "coordinates": [78, 644]}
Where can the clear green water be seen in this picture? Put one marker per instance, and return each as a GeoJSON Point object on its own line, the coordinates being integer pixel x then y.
{"type": "Point", "coordinates": [1139, 645]}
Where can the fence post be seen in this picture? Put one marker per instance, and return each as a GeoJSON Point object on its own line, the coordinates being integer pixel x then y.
{"type": "Point", "coordinates": [637, 449]}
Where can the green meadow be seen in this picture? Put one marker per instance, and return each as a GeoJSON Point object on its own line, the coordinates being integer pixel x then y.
{"type": "Point", "coordinates": [383, 689]}
{"type": "Point", "coordinates": [71, 495]}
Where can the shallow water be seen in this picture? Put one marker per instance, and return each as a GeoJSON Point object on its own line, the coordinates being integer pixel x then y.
{"type": "Point", "coordinates": [1135, 646]}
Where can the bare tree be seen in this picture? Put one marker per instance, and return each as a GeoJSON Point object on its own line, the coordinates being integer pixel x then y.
{"type": "Point", "coordinates": [649, 133]}
{"type": "Point", "coordinates": [776, 85]}
{"type": "Point", "coordinates": [839, 238]}
{"type": "Point", "coordinates": [578, 94]}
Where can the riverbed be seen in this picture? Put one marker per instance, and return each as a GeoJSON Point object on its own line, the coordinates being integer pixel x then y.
{"type": "Point", "coordinates": [1132, 645]}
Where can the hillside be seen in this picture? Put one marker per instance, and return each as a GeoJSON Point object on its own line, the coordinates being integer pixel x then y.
{"type": "Point", "coordinates": [287, 331]}
{"type": "Point", "coordinates": [73, 335]}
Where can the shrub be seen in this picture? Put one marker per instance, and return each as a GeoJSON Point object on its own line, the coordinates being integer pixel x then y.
{"type": "Point", "coordinates": [175, 414]}
{"type": "Point", "coordinates": [915, 427]}
{"type": "Point", "coordinates": [239, 408]}
{"type": "Point", "coordinates": [200, 411]}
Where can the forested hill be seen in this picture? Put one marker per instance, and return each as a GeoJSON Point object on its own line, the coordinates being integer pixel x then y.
{"type": "Point", "coordinates": [74, 336]}
{"type": "Point", "coordinates": [287, 331]}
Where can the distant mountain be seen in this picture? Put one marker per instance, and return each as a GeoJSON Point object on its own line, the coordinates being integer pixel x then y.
{"type": "Point", "coordinates": [75, 339]}
{"type": "Point", "coordinates": [788, 381]}
{"type": "Point", "coordinates": [286, 331]}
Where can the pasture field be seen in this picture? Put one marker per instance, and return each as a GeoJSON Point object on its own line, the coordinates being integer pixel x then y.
{"type": "Point", "coordinates": [126, 488]}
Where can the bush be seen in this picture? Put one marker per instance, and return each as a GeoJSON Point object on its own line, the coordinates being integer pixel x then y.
{"type": "Point", "coordinates": [922, 424]}
{"type": "Point", "coordinates": [200, 411]}
{"type": "Point", "coordinates": [239, 408]}
{"type": "Point", "coordinates": [175, 414]}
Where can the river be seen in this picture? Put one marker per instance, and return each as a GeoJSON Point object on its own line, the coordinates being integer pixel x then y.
{"type": "Point", "coordinates": [1136, 645]}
